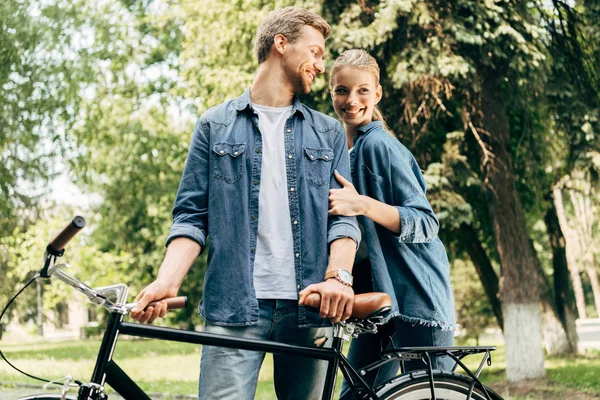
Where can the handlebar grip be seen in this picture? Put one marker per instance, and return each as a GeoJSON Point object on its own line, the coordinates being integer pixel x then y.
{"type": "Point", "coordinates": [172, 302]}
{"type": "Point", "coordinates": [66, 234]}
{"type": "Point", "coordinates": [313, 300]}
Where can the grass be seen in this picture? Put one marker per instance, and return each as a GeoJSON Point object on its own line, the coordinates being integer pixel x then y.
{"type": "Point", "coordinates": [581, 373]}
{"type": "Point", "coordinates": [172, 368]}
{"type": "Point", "coordinates": [159, 367]}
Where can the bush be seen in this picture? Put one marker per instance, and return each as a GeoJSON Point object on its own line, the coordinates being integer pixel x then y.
{"type": "Point", "coordinates": [92, 330]}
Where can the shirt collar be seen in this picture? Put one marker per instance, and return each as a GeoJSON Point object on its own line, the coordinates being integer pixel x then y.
{"type": "Point", "coordinates": [365, 129]}
{"type": "Point", "coordinates": [368, 127]}
{"type": "Point", "coordinates": [244, 102]}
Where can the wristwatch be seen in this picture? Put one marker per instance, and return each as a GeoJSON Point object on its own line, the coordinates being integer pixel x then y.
{"type": "Point", "coordinates": [343, 276]}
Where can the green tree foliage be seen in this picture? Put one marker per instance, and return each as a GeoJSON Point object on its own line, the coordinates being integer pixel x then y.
{"type": "Point", "coordinates": [475, 313]}
{"type": "Point", "coordinates": [22, 256]}
{"type": "Point", "coordinates": [574, 88]}
{"type": "Point", "coordinates": [41, 71]}
{"type": "Point", "coordinates": [133, 134]}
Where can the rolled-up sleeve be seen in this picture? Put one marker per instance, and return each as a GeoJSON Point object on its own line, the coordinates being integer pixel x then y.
{"type": "Point", "coordinates": [341, 226]}
{"type": "Point", "coordinates": [400, 170]}
{"type": "Point", "coordinates": [418, 221]}
{"type": "Point", "coordinates": [190, 213]}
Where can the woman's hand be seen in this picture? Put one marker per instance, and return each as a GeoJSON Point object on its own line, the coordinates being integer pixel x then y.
{"type": "Point", "coordinates": [345, 201]}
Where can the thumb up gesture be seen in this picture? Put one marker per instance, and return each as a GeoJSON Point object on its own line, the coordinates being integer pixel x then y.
{"type": "Point", "coordinates": [345, 201]}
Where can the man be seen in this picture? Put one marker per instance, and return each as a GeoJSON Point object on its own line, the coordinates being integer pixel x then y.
{"type": "Point", "coordinates": [256, 181]}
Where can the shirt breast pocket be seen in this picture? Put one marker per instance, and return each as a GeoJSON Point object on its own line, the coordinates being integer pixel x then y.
{"type": "Point", "coordinates": [375, 185]}
{"type": "Point", "coordinates": [318, 165]}
{"type": "Point", "coordinates": [229, 161]}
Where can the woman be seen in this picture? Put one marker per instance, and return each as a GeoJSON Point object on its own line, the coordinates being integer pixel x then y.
{"type": "Point", "coordinates": [401, 253]}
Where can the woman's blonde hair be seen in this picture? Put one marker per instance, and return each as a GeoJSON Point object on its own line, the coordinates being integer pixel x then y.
{"type": "Point", "coordinates": [358, 58]}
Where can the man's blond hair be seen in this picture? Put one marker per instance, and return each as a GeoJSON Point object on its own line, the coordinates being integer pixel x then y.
{"type": "Point", "coordinates": [287, 22]}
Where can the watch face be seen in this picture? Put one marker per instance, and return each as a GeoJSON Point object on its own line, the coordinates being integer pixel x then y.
{"type": "Point", "coordinates": [345, 276]}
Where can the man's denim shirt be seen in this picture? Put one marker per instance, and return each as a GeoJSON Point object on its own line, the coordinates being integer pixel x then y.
{"type": "Point", "coordinates": [412, 267]}
{"type": "Point", "coordinates": [218, 198]}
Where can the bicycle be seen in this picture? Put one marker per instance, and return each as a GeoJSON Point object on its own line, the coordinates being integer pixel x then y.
{"type": "Point", "coordinates": [370, 310]}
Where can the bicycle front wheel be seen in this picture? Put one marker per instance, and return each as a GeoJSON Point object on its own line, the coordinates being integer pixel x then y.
{"type": "Point", "coordinates": [448, 386]}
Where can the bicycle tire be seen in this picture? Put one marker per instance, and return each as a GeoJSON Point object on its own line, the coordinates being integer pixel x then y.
{"type": "Point", "coordinates": [47, 397]}
{"type": "Point", "coordinates": [448, 386]}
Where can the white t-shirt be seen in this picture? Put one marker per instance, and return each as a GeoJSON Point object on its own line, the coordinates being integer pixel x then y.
{"type": "Point", "coordinates": [274, 272]}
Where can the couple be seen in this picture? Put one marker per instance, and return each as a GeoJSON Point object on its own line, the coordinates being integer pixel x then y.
{"type": "Point", "coordinates": [268, 180]}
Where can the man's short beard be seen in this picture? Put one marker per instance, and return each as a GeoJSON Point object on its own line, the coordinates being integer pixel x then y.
{"type": "Point", "coordinates": [295, 80]}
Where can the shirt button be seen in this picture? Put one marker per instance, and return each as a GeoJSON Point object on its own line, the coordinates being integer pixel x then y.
{"type": "Point", "coordinates": [312, 157]}
{"type": "Point", "coordinates": [289, 131]}
{"type": "Point", "coordinates": [257, 151]}
{"type": "Point", "coordinates": [298, 286]}
{"type": "Point", "coordinates": [251, 250]}
{"type": "Point", "coordinates": [327, 157]}
{"type": "Point", "coordinates": [292, 189]}
{"type": "Point", "coordinates": [295, 222]}
{"type": "Point", "coordinates": [297, 255]}
{"type": "Point", "coordinates": [253, 218]}
{"type": "Point", "coordinates": [222, 152]}
{"type": "Point", "coordinates": [235, 153]}
{"type": "Point", "coordinates": [290, 156]}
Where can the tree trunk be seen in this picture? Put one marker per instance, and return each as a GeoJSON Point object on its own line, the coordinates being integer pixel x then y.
{"type": "Point", "coordinates": [592, 273]}
{"type": "Point", "coordinates": [554, 335]}
{"type": "Point", "coordinates": [585, 220]}
{"type": "Point", "coordinates": [489, 279]}
{"type": "Point", "coordinates": [557, 339]}
{"type": "Point", "coordinates": [571, 250]}
{"type": "Point", "coordinates": [519, 289]}
{"type": "Point", "coordinates": [564, 299]}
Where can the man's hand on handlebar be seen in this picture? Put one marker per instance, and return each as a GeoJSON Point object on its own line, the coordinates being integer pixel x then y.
{"type": "Point", "coordinates": [156, 291]}
{"type": "Point", "coordinates": [336, 299]}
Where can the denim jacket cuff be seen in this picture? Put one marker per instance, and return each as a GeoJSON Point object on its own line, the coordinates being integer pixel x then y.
{"type": "Point", "coordinates": [188, 231]}
{"type": "Point", "coordinates": [406, 225]}
{"type": "Point", "coordinates": [343, 230]}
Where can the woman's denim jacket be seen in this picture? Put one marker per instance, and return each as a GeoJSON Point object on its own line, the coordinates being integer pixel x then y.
{"type": "Point", "coordinates": [411, 267]}
{"type": "Point", "coordinates": [218, 198]}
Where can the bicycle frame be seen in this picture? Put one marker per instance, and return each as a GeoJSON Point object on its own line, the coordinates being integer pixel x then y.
{"type": "Point", "coordinates": [108, 372]}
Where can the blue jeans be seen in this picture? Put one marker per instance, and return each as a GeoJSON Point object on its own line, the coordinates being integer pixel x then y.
{"type": "Point", "coordinates": [233, 373]}
{"type": "Point", "coordinates": [366, 349]}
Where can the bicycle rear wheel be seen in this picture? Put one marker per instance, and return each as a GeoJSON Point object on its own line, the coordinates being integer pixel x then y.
{"type": "Point", "coordinates": [448, 386]}
{"type": "Point", "coordinates": [46, 397]}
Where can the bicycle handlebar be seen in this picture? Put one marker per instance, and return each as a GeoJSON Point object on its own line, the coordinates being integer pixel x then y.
{"type": "Point", "coordinates": [66, 234]}
{"type": "Point", "coordinates": [173, 303]}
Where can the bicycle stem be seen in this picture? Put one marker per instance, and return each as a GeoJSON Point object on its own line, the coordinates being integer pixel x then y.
{"type": "Point", "coordinates": [99, 296]}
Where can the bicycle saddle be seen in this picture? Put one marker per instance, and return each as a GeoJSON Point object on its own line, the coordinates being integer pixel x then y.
{"type": "Point", "coordinates": [366, 305]}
